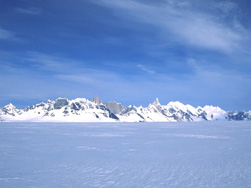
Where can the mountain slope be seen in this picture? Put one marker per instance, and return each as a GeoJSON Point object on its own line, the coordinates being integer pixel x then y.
{"type": "Point", "coordinates": [114, 107]}
{"type": "Point", "coordinates": [83, 110]}
{"type": "Point", "coordinates": [77, 110]}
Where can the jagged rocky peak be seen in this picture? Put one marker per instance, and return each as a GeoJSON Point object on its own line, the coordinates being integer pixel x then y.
{"type": "Point", "coordinates": [10, 109]}
{"type": "Point", "coordinates": [82, 110]}
{"type": "Point", "coordinates": [60, 102]}
{"type": "Point", "coordinates": [239, 116]}
{"type": "Point", "coordinates": [129, 109]}
{"type": "Point", "coordinates": [114, 107]}
{"type": "Point", "coordinates": [9, 106]}
{"type": "Point", "coordinates": [97, 100]}
{"type": "Point", "coordinates": [49, 102]}
{"type": "Point", "coordinates": [156, 102]}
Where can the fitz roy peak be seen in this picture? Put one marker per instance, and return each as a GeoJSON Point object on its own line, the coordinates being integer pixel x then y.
{"type": "Point", "coordinates": [83, 110]}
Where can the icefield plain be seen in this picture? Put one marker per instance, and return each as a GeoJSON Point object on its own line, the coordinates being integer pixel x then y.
{"type": "Point", "coordinates": [125, 155]}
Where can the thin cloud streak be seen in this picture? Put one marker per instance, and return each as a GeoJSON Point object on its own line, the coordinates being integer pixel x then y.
{"type": "Point", "coordinates": [196, 52]}
{"type": "Point", "coordinates": [10, 36]}
{"type": "Point", "coordinates": [143, 68]}
{"type": "Point", "coordinates": [185, 24]}
{"type": "Point", "coordinates": [131, 89]}
{"type": "Point", "coordinates": [29, 11]}
{"type": "Point", "coordinates": [53, 63]}
{"type": "Point", "coordinates": [7, 35]}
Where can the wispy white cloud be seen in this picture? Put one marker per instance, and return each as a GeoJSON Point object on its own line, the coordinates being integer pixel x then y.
{"type": "Point", "coordinates": [51, 62]}
{"type": "Point", "coordinates": [226, 6]}
{"type": "Point", "coordinates": [143, 68]}
{"type": "Point", "coordinates": [29, 11]}
{"type": "Point", "coordinates": [182, 22]}
{"type": "Point", "coordinates": [7, 34]}
{"type": "Point", "coordinates": [207, 84]}
{"type": "Point", "coordinates": [93, 77]}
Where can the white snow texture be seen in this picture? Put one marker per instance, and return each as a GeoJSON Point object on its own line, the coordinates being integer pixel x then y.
{"type": "Point", "coordinates": [125, 155]}
{"type": "Point", "coordinates": [83, 110]}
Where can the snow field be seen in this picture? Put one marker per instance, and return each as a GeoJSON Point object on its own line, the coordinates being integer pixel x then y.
{"type": "Point", "coordinates": [127, 155]}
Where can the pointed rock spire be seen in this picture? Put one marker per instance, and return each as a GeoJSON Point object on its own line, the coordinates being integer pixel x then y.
{"type": "Point", "coordinates": [156, 102]}
{"type": "Point", "coordinates": [97, 100]}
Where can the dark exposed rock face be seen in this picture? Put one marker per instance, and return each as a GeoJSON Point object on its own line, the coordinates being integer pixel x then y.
{"type": "Point", "coordinates": [104, 108]}
{"type": "Point", "coordinates": [239, 116]}
{"type": "Point", "coordinates": [111, 115]}
{"type": "Point", "coordinates": [11, 110]}
{"type": "Point", "coordinates": [97, 100]}
{"type": "Point", "coordinates": [83, 109]}
{"type": "Point", "coordinates": [60, 103]}
{"type": "Point", "coordinates": [75, 106]}
{"type": "Point", "coordinates": [128, 109]}
{"type": "Point", "coordinates": [203, 115]}
{"type": "Point", "coordinates": [114, 107]}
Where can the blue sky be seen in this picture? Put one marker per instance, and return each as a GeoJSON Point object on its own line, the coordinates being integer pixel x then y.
{"type": "Point", "coordinates": [196, 52]}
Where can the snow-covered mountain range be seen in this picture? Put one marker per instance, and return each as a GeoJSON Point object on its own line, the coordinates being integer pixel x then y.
{"type": "Point", "coordinates": [83, 110]}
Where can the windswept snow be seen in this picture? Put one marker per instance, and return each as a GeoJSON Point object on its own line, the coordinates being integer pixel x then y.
{"type": "Point", "coordinates": [124, 155]}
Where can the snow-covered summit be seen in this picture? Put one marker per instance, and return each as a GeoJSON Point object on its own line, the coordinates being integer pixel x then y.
{"type": "Point", "coordinates": [83, 110]}
{"type": "Point", "coordinates": [214, 112]}
{"type": "Point", "coordinates": [10, 109]}
{"type": "Point", "coordinates": [77, 110]}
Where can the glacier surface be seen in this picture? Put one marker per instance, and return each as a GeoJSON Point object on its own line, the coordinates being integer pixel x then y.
{"type": "Point", "coordinates": [174, 154]}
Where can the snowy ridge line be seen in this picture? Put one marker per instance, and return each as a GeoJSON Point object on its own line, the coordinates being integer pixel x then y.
{"type": "Point", "coordinates": [83, 110]}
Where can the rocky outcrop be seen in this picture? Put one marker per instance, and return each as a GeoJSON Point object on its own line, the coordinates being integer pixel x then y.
{"type": "Point", "coordinates": [114, 107]}
{"type": "Point", "coordinates": [97, 100]}
{"type": "Point", "coordinates": [239, 116]}
{"type": "Point", "coordinates": [83, 110]}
